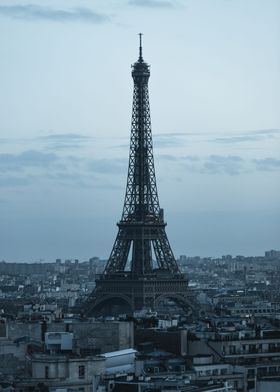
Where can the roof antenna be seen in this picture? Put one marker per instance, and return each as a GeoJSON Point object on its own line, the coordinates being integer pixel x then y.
{"type": "Point", "coordinates": [140, 47]}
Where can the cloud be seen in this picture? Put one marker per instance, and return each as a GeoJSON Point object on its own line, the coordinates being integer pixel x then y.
{"type": "Point", "coordinates": [4, 140]}
{"type": "Point", "coordinates": [172, 134]}
{"type": "Point", "coordinates": [13, 181]}
{"type": "Point", "coordinates": [37, 168]}
{"type": "Point", "coordinates": [237, 139]}
{"type": "Point", "coordinates": [107, 185]}
{"type": "Point", "coordinates": [267, 132]}
{"type": "Point", "coordinates": [63, 146]}
{"type": "Point", "coordinates": [213, 164]}
{"type": "Point", "coordinates": [217, 164]}
{"type": "Point", "coordinates": [152, 3]}
{"type": "Point", "coordinates": [167, 157]}
{"type": "Point", "coordinates": [174, 158]}
{"type": "Point", "coordinates": [69, 178]}
{"type": "Point", "coordinates": [210, 164]}
{"type": "Point", "coordinates": [84, 179]}
{"type": "Point", "coordinates": [30, 158]}
{"type": "Point", "coordinates": [192, 158]}
{"type": "Point", "coordinates": [30, 167]}
{"type": "Point", "coordinates": [35, 12]}
{"type": "Point", "coordinates": [267, 164]}
{"type": "Point", "coordinates": [164, 140]}
{"type": "Point", "coordinates": [62, 137]}
{"type": "Point", "coordinates": [64, 141]}
{"type": "Point", "coordinates": [250, 136]}
{"type": "Point", "coordinates": [111, 166]}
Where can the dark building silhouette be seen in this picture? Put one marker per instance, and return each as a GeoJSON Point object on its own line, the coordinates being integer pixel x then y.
{"type": "Point", "coordinates": [141, 271]}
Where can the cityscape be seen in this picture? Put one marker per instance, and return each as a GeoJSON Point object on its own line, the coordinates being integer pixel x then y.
{"type": "Point", "coordinates": [149, 316]}
{"type": "Point", "coordinates": [233, 344]}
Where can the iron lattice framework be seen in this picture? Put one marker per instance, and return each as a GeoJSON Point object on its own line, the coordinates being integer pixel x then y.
{"type": "Point", "coordinates": [141, 236]}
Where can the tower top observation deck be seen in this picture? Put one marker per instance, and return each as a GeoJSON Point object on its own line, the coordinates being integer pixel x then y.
{"type": "Point", "coordinates": [140, 69]}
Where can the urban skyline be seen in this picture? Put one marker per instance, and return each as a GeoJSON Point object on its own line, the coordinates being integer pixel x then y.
{"type": "Point", "coordinates": [66, 124]}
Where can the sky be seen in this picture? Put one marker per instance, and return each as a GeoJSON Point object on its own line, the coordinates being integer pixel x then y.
{"type": "Point", "coordinates": [65, 113]}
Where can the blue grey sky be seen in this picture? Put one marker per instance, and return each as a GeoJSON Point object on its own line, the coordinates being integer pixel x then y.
{"type": "Point", "coordinates": [65, 111]}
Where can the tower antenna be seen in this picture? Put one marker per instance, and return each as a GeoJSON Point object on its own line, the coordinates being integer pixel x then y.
{"type": "Point", "coordinates": [140, 46]}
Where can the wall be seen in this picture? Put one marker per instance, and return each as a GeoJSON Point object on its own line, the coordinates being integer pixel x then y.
{"type": "Point", "coordinates": [108, 336]}
{"type": "Point", "coordinates": [18, 329]}
{"type": "Point", "coordinates": [171, 341]}
{"type": "Point", "coordinates": [268, 386]}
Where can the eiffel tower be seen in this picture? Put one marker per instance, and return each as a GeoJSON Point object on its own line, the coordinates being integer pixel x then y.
{"type": "Point", "coordinates": [141, 271]}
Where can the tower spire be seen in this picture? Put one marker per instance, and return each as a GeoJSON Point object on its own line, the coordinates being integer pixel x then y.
{"type": "Point", "coordinates": [140, 47]}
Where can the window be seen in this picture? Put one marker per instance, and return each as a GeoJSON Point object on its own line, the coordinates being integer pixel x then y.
{"type": "Point", "coordinates": [46, 372]}
{"type": "Point", "coordinates": [81, 371]}
{"type": "Point", "coordinates": [272, 370]}
{"type": "Point", "coordinates": [251, 373]}
{"type": "Point", "coordinates": [232, 350]}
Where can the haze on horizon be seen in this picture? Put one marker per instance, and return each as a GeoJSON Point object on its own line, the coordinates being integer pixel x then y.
{"type": "Point", "coordinates": [66, 100]}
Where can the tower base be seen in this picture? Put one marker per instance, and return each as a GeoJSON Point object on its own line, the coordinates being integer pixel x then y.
{"type": "Point", "coordinates": [125, 293]}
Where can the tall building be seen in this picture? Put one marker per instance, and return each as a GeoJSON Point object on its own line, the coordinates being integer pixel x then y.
{"type": "Point", "coordinates": [141, 271]}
